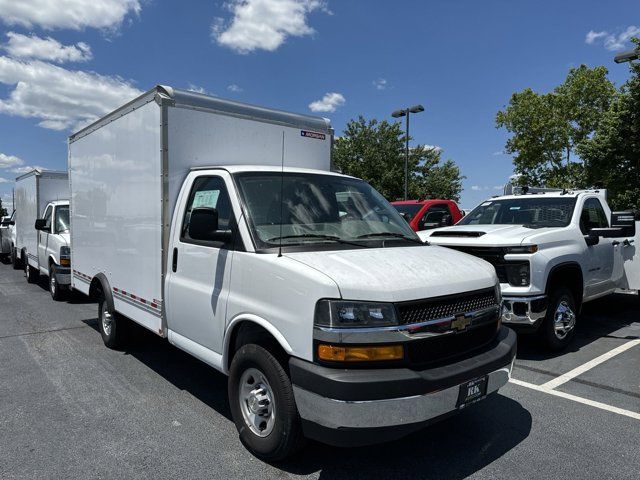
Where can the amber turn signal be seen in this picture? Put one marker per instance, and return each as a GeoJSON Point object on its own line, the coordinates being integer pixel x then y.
{"type": "Point", "coordinates": [65, 262]}
{"type": "Point", "coordinates": [337, 353]}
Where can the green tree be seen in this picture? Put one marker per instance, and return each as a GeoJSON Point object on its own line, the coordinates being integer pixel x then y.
{"type": "Point", "coordinates": [547, 129]}
{"type": "Point", "coordinates": [612, 154]}
{"type": "Point", "coordinates": [375, 151]}
{"type": "Point", "coordinates": [3, 211]}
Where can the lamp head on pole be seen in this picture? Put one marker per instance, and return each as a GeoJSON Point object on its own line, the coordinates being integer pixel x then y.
{"type": "Point", "coordinates": [627, 56]}
{"type": "Point", "coordinates": [416, 109]}
{"type": "Point", "coordinates": [399, 113]}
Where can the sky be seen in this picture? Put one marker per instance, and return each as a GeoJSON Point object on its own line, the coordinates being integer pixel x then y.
{"type": "Point", "coordinates": [64, 63]}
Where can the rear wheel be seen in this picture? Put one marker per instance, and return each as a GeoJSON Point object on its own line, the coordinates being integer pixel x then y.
{"type": "Point", "coordinates": [29, 272]}
{"type": "Point", "coordinates": [113, 326]}
{"type": "Point", "coordinates": [262, 404]}
{"type": "Point", "coordinates": [558, 327]}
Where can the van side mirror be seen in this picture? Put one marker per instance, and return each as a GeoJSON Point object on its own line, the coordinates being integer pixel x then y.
{"type": "Point", "coordinates": [7, 223]}
{"type": "Point", "coordinates": [203, 223]}
{"type": "Point", "coordinates": [41, 224]}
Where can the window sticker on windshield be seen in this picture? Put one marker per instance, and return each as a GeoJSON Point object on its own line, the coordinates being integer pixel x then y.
{"type": "Point", "coordinates": [206, 198]}
{"type": "Point", "coordinates": [485, 204]}
{"type": "Point", "coordinates": [514, 208]}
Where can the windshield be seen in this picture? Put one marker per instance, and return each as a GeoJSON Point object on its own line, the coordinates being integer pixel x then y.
{"type": "Point", "coordinates": [532, 212]}
{"type": "Point", "coordinates": [318, 209]}
{"type": "Point", "coordinates": [408, 210]}
{"type": "Point", "coordinates": [62, 219]}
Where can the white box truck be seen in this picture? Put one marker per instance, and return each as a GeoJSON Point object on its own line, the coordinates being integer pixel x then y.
{"type": "Point", "coordinates": [220, 226]}
{"type": "Point", "coordinates": [41, 246]}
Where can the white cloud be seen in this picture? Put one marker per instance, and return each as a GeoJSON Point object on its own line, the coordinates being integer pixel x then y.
{"type": "Point", "coordinates": [380, 83]}
{"type": "Point", "coordinates": [4, 180]}
{"type": "Point", "coordinates": [196, 88]}
{"type": "Point", "coordinates": [26, 169]}
{"type": "Point", "coordinates": [432, 147]}
{"type": "Point", "coordinates": [612, 41]}
{"type": "Point", "coordinates": [234, 88]}
{"type": "Point", "coordinates": [328, 103]}
{"type": "Point", "coordinates": [263, 24]}
{"type": "Point", "coordinates": [8, 161]}
{"type": "Point", "coordinates": [484, 188]}
{"type": "Point", "coordinates": [72, 14]}
{"type": "Point", "coordinates": [23, 46]}
{"type": "Point", "coordinates": [58, 97]}
{"type": "Point", "coordinates": [499, 153]}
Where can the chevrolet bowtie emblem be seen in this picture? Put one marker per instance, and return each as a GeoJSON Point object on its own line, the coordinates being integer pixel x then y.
{"type": "Point", "coordinates": [460, 323]}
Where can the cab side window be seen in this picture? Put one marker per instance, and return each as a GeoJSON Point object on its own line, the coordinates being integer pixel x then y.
{"type": "Point", "coordinates": [47, 218]}
{"type": "Point", "coordinates": [210, 193]}
{"type": "Point", "coordinates": [436, 216]}
{"type": "Point", "coordinates": [592, 216]}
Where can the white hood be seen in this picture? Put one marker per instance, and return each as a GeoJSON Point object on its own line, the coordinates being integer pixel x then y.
{"type": "Point", "coordinates": [401, 273]}
{"type": "Point", "coordinates": [493, 235]}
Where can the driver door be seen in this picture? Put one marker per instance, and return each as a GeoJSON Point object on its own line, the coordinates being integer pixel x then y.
{"type": "Point", "coordinates": [599, 258]}
{"type": "Point", "coordinates": [43, 237]}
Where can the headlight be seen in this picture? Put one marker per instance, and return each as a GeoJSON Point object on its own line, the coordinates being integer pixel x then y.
{"type": "Point", "coordinates": [65, 252]}
{"type": "Point", "coordinates": [522, 249]}
{"type": "Point", "coordinates": [342, 314]}
{"type": "Point", "coordinates": [517, 273]}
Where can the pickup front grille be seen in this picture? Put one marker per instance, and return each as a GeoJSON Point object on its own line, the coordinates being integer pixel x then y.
{"type": "Point", "coordinates": [493, 255]}
{"type": "Point", "coordinates": [444, 307]}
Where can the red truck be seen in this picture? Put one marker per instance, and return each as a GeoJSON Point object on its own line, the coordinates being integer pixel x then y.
{"type": "Point", "coordinates": [427, 214]}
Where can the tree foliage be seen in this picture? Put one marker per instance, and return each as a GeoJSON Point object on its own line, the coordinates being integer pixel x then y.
{"type": "Point", "coordinates": [547, 129]}
{"type": "Point", "coordinates": [375, 151]}
{"type": "Point", "coordinates": [612, 154]}
{"type": "Point", "coordinates": [3, 211]}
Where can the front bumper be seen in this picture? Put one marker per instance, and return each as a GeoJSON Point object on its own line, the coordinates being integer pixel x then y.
{"type": "Point", "coordinates": [362, 406]}
{"type": "Point", "coordinates": [63, 276]}
{"type": "Point", "coordinates": [524, 311]}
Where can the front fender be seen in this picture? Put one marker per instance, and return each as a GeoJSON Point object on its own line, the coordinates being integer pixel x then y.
{"type": "Point", "coordinates": [258, 321]}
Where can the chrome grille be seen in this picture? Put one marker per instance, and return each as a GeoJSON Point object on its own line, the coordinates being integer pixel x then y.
{"type": "Point", "coordinates": [444, 307]}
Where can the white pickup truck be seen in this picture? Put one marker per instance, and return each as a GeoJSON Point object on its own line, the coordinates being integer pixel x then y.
{"type": "Point", "coordinates": [552, 251]}
{"type": "Point", "coordinates": [219, 226]}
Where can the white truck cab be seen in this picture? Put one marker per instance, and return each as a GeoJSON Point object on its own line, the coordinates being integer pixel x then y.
{"type": "Point", "coordinates": [54, 253]}
{"type": "Point", "coordinates": [552, 251]}
{"type": "Point", "coordinates": [220, 226]}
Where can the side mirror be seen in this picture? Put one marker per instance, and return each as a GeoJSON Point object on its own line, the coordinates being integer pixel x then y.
{"type": "Point", "coordinates": [41, 224]}
{"type": "Point", "coordinates": [7, 223]}
{"type": "Point", "coordinates": [591, 239]}
{"type": "Point", "coordinates": [611, 232]}
{"type": "Point", "coordinates": [626, 221]}
{"type": "Point", "coordinates": [445, 221]}
{"type": "Point", "coordinates": [203, 226]}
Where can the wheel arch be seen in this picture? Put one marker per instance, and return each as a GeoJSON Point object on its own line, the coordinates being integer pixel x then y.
{"type": "Point", "coordinates": [569, 274]}
{"type": "Point", "coordinates": [100, 283]}
{"type": "Point", "coordinates": [255, 330]}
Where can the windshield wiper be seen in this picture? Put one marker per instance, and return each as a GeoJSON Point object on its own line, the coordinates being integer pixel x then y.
{"type": "Point", "coordinates": [332, 238]}
{"type": "Point", "coordinates": [393, 235]}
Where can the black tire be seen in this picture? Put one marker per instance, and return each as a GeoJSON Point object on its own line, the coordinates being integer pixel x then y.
{"type": "Point", "coordinates": [15, 261]}
{"type": "Point", "coordinates": [31, 273]}
{"type": "Point", "coordinates": [57, 292]}
{"type": "Point", "coordinates": [561, 302]}
{"type": "Point", "coordinates": [114, 330]}
{"type": "Point", "coordinates": [285, 437]}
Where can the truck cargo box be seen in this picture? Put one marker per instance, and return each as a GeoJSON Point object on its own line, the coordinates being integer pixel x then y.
{"type": "Point", "coordinates": [126, 171]}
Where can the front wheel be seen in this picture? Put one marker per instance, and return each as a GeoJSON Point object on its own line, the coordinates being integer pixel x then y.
{"type": "Point", "coordinates": [558, 327]}
{"type": "Point", "coordinates": [30, 272]}
{"type": "Point", "coordinates": [57, 292]}
{"type": "Point", "coordinates": [15, 261]}
{"type": "Point", "coordinates": [113, 327]}
{"type": "Point", "coordinates": [262, 404]}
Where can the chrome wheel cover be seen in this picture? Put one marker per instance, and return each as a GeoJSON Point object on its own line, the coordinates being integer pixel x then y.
{"type": "Point", "coordinates": [564, 320]}
{"type": "Point", "coordinates": [53, 285]}
{"type": "Point", "coordinates": [106, 319]}
{"type": "Point", "coordinates": [257, 402]}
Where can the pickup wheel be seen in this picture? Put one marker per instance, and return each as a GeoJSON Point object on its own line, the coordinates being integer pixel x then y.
{"type": "Point", "coordinates": [262, 404]}
{"type": "Point", "coordinates": [57, 292]}
{"type": "Point", "coordinates": [113, 327]}
{"type": "Point", "coordinates": [559, 324]}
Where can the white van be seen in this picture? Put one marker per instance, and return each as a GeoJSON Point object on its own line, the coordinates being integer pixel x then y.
{"type": "Point", "coordinates": [42, 231]}
{"type": "Point", "coordinates": [220, 226]}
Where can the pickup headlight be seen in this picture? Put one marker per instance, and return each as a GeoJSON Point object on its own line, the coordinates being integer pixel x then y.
{"type": "Point", "coordinates": [344, 314]}
{"type": "Point", "coordinates": [522, 249]}
{"type": "Point", "coordinates": [518, 273]}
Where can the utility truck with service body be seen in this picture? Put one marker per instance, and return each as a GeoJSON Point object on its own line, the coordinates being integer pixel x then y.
{"type": "Point", "coordinates": [220, 226]}
{"type": "Point", "coordinates": [42, 228]}
{"type": "Point", "coordinates": [553, 250]}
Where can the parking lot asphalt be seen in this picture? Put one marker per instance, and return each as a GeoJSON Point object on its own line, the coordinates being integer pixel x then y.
{"type": "Point", "coordinates": [71, 408]}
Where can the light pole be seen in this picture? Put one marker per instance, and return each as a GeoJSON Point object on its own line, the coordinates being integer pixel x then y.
{"type": "Point", "coordinates": [404, 112]}
{"type": "Point", "coordinates": [627, 56]}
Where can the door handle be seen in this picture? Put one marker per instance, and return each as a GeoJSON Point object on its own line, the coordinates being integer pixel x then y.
{"type": "Point", "coordinates": [174, 261]}
{"type": "Point", "coordinates": [627, 242]}
{"type": "Point", "coordinates": [615, 243]}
